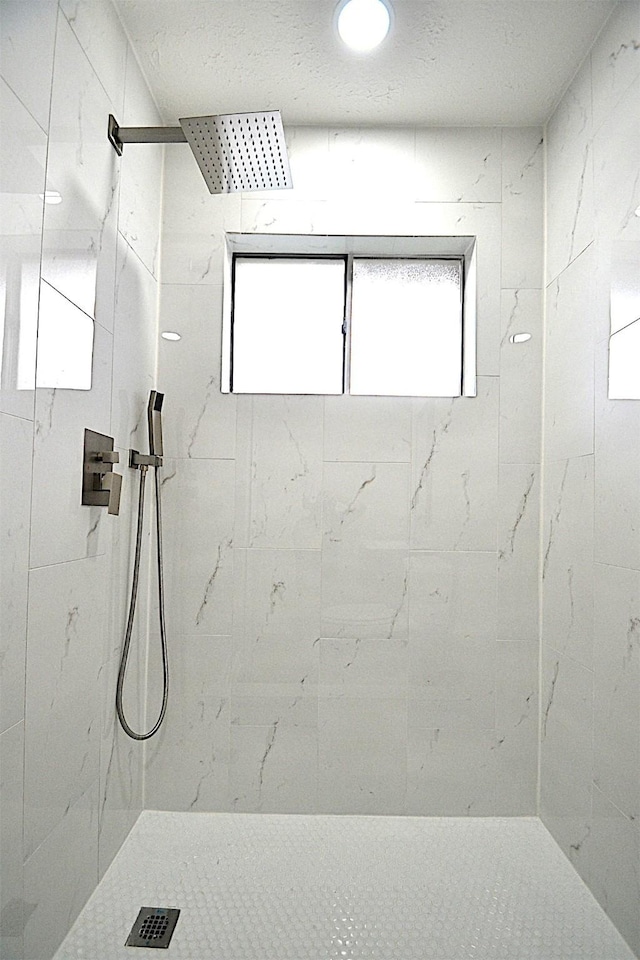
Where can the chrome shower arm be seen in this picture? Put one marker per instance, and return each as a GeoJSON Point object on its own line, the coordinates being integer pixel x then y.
{"type": "Point", "coordinates": [118, 135]}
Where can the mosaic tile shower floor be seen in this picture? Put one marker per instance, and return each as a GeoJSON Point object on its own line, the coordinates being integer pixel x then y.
{"type": "Point", "coordinates": [275, 887]}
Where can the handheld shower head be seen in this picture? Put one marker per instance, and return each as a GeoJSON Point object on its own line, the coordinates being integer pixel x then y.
{"type": "Point", "coordinates": [154, 419]}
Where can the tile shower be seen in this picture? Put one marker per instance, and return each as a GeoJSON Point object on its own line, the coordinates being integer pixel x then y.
{"type": "Point", "coordinates": [358, 588]}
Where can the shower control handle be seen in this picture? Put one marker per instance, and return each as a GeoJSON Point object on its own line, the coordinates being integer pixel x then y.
{"type": "Point", "coordinates": [113, 483]}
{"type": "Point", "coordinates": [101, 486]}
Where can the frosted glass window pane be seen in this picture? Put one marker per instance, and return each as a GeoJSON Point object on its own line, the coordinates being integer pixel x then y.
{"type": "Point", "coordinates": [406, 328]}
{"type": "Point", "coordinates": [624, 363]}
{"type": "Point", "coordinates": [65, 343]}
{"type": "Point", "coordinates": [287, 325]}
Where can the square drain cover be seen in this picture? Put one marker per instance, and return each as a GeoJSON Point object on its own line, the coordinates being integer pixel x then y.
{"type": "Point", "coordinates": [154, 927]}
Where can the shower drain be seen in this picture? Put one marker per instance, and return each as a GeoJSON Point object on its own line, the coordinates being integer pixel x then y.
{"type": "Point", "coordinates": [154, 927]}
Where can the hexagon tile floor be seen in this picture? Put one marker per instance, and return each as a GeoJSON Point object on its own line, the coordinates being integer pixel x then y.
{"type": "Point", "coordinates": [274, 887]}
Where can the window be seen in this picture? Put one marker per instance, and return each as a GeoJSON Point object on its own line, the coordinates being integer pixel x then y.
{"type": "Point", "coordinates": [373, 320]}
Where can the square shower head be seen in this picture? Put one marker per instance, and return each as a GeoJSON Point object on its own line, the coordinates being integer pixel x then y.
{"type": "Point", "coordinates": [240, 151]}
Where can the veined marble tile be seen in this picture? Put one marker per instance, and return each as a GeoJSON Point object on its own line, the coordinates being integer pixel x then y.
{"type": "Point", "coordinates": [617, 686]}
{"type": "Point", "coordinates": [569, 361]}
{"type": "Point", "coordinates": [567, 559]}
{"type": "Point", "coordinates": [198, 539]}
{"type": "Point", "coordinates": [187, 762]}
{"type": "Point", "coordinates": [570, 175]}
{"type": "Point", "coordinates": [366, 504]}
{"type": "Point", "coordinates": [516, 747]}
{"type": "Point", "coordinates": [286, 216]}
{"type": "Point", "coordinates": [458, 165]}
{"type": "Point", "coordinates": [65, 657]}
{"type": "Point", "coordinates": [612, 850]}
{"type": "Point", "coordinates": [79, 243]}
{"type": "Point", "coordinates": [12, 904]}
{"type": "Point", "coordinates": [364, 591]}
{"type": "Point", "coordinates": [617, 474]}
{"type": "Point", "coordinates": [23, 149]}
{"type": "Point", "coordinates": [308, 151]}
{"type": "Point", "coordinates": [615, 60]}
{"type": "Point", "coordinates": [616, 160]}
{"type": "Point", "coordinates": [61, 875]}
{"type": "Point", "coordinates": [16, 439]}
{"type": "Point", "coordinates": [363, 669]}
{"type": "Point", "coordinates": [134, 350]}
{"type": "Point", "coordinates": [200, 421]}
{"type": "Point", "coordinates": [277, 625]}
{"type": "Point", "coordinates": [451, 773]}
{"type": "Point", "coordinates": [61, 527]}
{"type": "Point", "coordinates": [566, 753]}
{"type": "Point", "coordinates": [280, 472]}
{"type": "Point", "coordinates": [455, 471]}
{"type": "Point", "coordinates": [522, 207]}
{"type": "Point", "coordinates": [273, 769]}
{"type": "Point", "coordinates": [362, 755]}
{"type": "Point", "coordinates": [453, 595]}
{"type": "Point", "coordinates": [194, 222]}
{"type": "Point", "coordinates": [367, 429]}
{"type": "Point", "coordinates": [521, 377]}
{"type": "Point", "coordinates": [261, 711]}
{"type": "Point", "coordinates": [100, 33]}
{"type": "Point", "coordinates": [27, 43]}
{"type": "Point", "coordinates": [372, 163]}
{"type": "Point", "coordinates": [518, 547]}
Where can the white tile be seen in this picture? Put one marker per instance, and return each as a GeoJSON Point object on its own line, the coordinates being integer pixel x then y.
{"type": "Point", "coordinates": [200, 421]}
{"type": "Point", "coordinates": [518, 549]}
{"type": "Point", "coordinates": [567, 558]}
{"type": "Point", "coordinates": [614, 60]}
{"type": "Point", "coordinates": [366, 505]}
{"type": "Point", "coordinates": [308, 150]}
{"type": "Point", "coordinates": [364, 591]}
{"type": "Point", "coordinates": [516, 745]}
{"type": "Point", "coordinates": [97, 27]}
{"type": "Point", "coordinates": [521, 377]}
{"type": "Point", "coordinates": [522, 207]}
{"type": "Point", "coordinates": [369, 429]}
{"type": "Point", "coordinates": [65, 656]}
{"type": "Point", "coordinates": [12, 913]}
{"type": "Point", "coordinates": [455, 471]}
{"type": "Point", "coordinates": [22, 169]}
{"type": "Point", "coordinates": [367, 163]}
{"type": "Point", "coordinates": [16, 437]}
{"type": "Point", "coordinates": [273, 768]}
{"type": "Point", "coordinates": [617, 686]}
{"type": "Point", "coordinates": [363, 669]}
{"type": "Point", "coordinates": [451, 771]}
{"type": "Point", "coordinates": [258, 215]}
{"type": "Point", "coordinates": [453, 595]}
{"type": "Point", "coordinates": [616, 158]}
{"type": "Point", "coordinates": [61, 875]}
{"type": "Point", "coordinates": [461, 165]}
{"type": "Point", "coordinates": [197, 511]}
{"type": "Point", "coordinates": [26, 53]}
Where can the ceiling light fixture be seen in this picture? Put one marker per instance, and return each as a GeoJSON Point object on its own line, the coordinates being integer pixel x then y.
{"type": "Point", "coordinates": [363, 24]}
{"type": "Point", "coordinates": [170, 335]}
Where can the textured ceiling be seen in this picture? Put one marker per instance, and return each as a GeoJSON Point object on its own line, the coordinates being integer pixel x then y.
{"type": "Point", "coordinates": [457, 62]}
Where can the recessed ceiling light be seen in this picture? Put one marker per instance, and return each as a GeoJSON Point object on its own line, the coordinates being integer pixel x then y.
{"type": "Point", "coordinates": [520, 337]}
{"type": "Point", "coordinates": [637, 211]}
{"type": "Point", "coordinates": [51, 196]}
{"type": "Point", "coordinates": [363, 24]}
{"type": "Point", "coordinates": [170, 335]}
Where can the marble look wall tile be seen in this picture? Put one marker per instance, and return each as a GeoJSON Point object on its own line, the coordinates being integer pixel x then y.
{"type": "Point", "coordinates": [12, 912]}
{"type": "Point", "coordinates": [194, 222]}
{"type": "Point", "coordinates": [368, 162]}
{"type": "Point", "coordinates": [258, 215]}
{"type": "Point", "coordinates": [187, 762]}
{"type": "Point", "coordinates": [567, 558]}
{"type": "Point", "coordinates": [134, 349]}
{"type": "Point", "coordinates": [276, 629]}
{"type": "Point", "coordinates": [308, 150]}
{"type": "Point", "coordinates": [66, 862]}
{"type": "Point", "coordinates": [280, 472]}
{"type": "Point", "coordinates": [265, 711]}
{"type": "Point", "coordinates": [16, 437]}
{"type": "Point", "coordinates": [569, 361]}
{"type": "Point", "coordinates": [273, 768]}
{"type": "Point", "coordinates": [612, 851]}
{"type": "Point", "coordinates": [364, 591]}
{"type": "Point", "coordinates": [453, 595]}
{"type": "Point", "coordinates": [22, 170]}
{"type": "Point", "coordinates": [516, 729]}
{"type": "Point", "coordinates": [65, 656]}
{"type": "Point", "coordinates": [570, 175]}
{"type": "Point", "coordinates": [198, 543]}
{"type": "Point", "coordinates": [366, 504]}
{"type": "Point", "coordinates": [363, 669]}
{"type": "Point", "coordinates": [61, 527]}
{"type": "Point", "coordinates": [566, 772]}
{"type": "Point", "coordinates": [518, 548]}
{"type": "Point", "coordinates": [362, 755]}
{"type": "Point", "coordinates": [200, 421]}
{"type": "Point", "coordinates": [451, 774]}
{"type": "Point", "coordinates": [368, 429]}
{"type": "Point", "coordinates": [28, 36]}
{"type": "Point", "coordinates": [100, 33]}
{"type": "Point", "coordinates": [615, 60]}
{"type": "Point", "coordinates": [458, 165]}
{"type": "Point", "coordinates": [521, 377]}
{"type": "Point", "coordinates": [454, 474]}
{"type": "Point", "coordinates": [617, 686]}
{"type": "Point", "coordinates": [522, 207]}
{"type": "Point", "coordinates": [617, 473]}
{"type": "Point", "coordinates": [79, 242]}
{"type": "Point", "coordinates": [616, 159]}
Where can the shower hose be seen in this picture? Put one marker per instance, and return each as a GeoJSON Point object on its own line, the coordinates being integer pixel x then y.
{"type": "Point", "coordinates": [132, 609]}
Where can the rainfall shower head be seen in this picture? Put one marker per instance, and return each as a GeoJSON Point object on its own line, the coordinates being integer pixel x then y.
{"type": "Point", "coordinates": [235, 151]}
